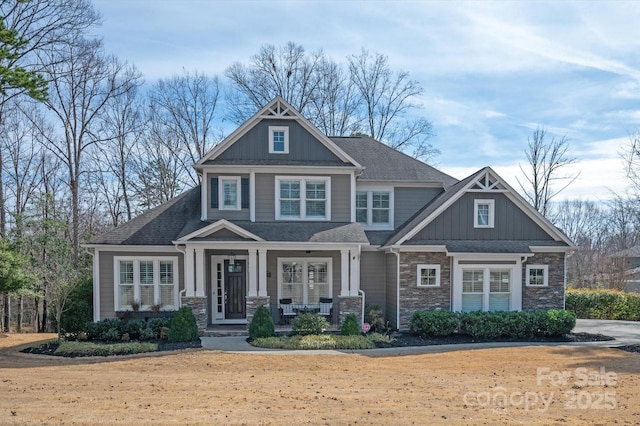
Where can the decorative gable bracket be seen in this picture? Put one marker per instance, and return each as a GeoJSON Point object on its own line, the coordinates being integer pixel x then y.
{"type": "Point", "coordinates": [278, 110]}
{"type": "Point", "coordinates": [486, 182]}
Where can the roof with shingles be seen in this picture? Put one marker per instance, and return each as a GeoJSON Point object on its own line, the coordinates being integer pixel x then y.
{"type": "Point", "coordinates": [158, 226]}
{"type": "Point", "coordinates": [383, 163]}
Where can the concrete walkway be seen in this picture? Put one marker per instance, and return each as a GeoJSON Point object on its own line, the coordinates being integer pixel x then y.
{"type": "Point", "coordinates": [625, 333]}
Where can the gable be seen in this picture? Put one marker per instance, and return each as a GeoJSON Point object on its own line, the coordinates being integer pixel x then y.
{"type": "Point", "coordinates": [457, 222]}
{"type": "Point", "coordinates": [253, 146]}
{"type": "Point", "coordinates": [222, 235]}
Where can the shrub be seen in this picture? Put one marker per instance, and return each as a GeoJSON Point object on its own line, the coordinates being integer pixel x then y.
{"type": "Point", "coordinates": [183, 327]}
{"type": "Point", "coordinates": [554, 322]}
{"type": "Point", "coordinates": [157, 324]}
{"type": "Point", "coordinates": [147, 334]}
{"type": "Point", "coordinates": [135, 328]}
{"type": "Point", "coordinates": [604, 304]}
{"type": "Point", "coordinates": [518, 324]}
{"type": "Point", "coordinates": [305, 324]}
{"type": "Point", "coordinates": [350, 327]}
{"type": "Point", "coordinates": [434, 323]}
{"type": "Point", "coordinates": [106, 329]}
{"type": "Point", "coordinates": [73, 349]}
{"type": "Point", "coordinates": [111, 335]}
{"type": "Point", "coordinates": [262, 324]}
{"type": "Point", "coordinates": [308, 342]}
{"type": "Point", "coordinates": [374, 316]}
{"type": "Point", "coordinates": [481, 325]}
{"type": "Point", "coordinates": [78, 310]}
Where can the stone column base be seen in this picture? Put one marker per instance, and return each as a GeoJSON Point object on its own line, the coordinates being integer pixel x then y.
{"type": "Point", "coordinates": [253, 303]}
{"type": "Point", "coordinates": [349, 305]}
{"type": "Point", "coordinates": [198, 306]}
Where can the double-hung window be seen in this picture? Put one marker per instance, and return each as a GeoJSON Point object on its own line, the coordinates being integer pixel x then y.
{"type": "Point", "coordinates": [278, 140]}
{"type": "Point", "coordinates": [145, 282]}
{"type": "Point", "coordinates": [483, 213]}
{"type": "Point", "coordinates": [373, 208]}
{"type": "Point", "coordinates": [303, 198]}
{"type": "Point", "coordinates": [230, 193]}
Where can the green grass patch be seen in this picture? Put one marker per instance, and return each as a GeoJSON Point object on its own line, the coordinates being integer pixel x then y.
{"type": "Point", "coordinates": [81, 349]}
{"type": "Point", "coordinates": [309, 342]}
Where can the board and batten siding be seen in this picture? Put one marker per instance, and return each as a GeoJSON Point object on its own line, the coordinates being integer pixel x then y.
{"type": "Point", "coordinates": [407, 202]}
{"type": "Point", "coordinates": [456, 222]}
{"type": "Point", "coordinates": [107, 279]}
{"type": "Point", "coordinates": [266, 197]}
{"type": "Point", "coordinates": [373, 277]}
{"type": "Point", "coordinates": [254, 145]}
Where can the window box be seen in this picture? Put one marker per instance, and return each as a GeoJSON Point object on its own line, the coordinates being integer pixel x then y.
{"type": "Point", "coordinates": [143, 315]}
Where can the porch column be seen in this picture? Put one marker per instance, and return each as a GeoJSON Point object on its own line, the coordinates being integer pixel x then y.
{"type": "Point", "coordinates": [355, 273]}
{"type": "Point", "coordinates": [253, 284]}
{"type": "Point", "coordinates": [344, 272]}
{"type": "Point", "coordinates": [262, 272]}
{"type": "Point", "coordinates": [199, 272]}
{"type": "Point", "coordinates": [189, 281]}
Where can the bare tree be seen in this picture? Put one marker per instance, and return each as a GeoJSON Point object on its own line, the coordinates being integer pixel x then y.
{"type": "Point", "coordinates": [83, 79]}
{"type": "Point", "coordinates": [185, 107]}
{"type": "Point", "coordinates": [274, 71]}
{"type": "Point", "coordinates": [546, 162]}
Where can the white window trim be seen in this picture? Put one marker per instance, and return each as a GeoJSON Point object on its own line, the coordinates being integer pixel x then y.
{"type": "Point", "coordinates": [545, 268]}
{"type": "Point", "coordinates": [238, 181]}
{"type": "Point", "coordinates": [491, 204]}
{"type": "Point", "coordinates": [284, 129]}
{"type": "Point", "coordinates": [136, 280]}
{"type": "Point", "coordinates": [376, 226]}
{"type": "Point", "coordinates": [305, 274]}
{"type": "Point", "coordinates": [419, 271]}
{"type": "Point", "coordinates": [303, 197]}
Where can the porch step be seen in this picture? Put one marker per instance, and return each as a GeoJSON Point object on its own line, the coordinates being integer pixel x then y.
{"type": "Point", "coordinates": [226, 331]}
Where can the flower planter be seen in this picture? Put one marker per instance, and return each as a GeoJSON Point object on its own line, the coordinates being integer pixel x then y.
{"type": "Point", "coordinates": [143, 315]}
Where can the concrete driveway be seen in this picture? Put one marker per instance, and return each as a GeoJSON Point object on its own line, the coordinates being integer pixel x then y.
{"type": "Point", "coordinates": [625, 332]}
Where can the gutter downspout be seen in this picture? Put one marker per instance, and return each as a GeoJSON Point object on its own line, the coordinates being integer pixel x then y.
{"type": "Point", "coordinates": [363, 302]}
{"type": "Point", "coordinates": [397, 287]}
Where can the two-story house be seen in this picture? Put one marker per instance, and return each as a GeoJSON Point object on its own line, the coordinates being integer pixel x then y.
{"type": "Point", "coordinates": [286, 215]}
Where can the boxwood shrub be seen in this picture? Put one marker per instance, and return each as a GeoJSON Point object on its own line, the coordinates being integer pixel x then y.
{"type": "Point", "coordinates": [183, 327]}
{"type": "Point", "coordinates": [434, 323]}
{"type": "Point", "coordinates": [306, 324]}
{"type": "Point", "coordinates": [262, 324]}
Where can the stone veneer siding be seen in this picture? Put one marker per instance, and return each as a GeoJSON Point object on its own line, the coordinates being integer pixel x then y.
{"type": "Point", "coordinates": [551, 297]}
{"type": "Point", "coordinates": [253, 303]}
{"type": "Point", "coordinates": [350, 305]}
{"type": "Point", "coordinates": [414, 298]}
{"type": "Point", "coordinates": [198, 306]}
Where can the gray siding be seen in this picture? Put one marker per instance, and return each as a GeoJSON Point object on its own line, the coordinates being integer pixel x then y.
{"type": "Point", "coordinates": [391, 311]}
{"type": "Point", "coordinates": [254, 145]}
{"type": "Point", "coordinates": [107, 279]}
{"type": "Point", "coordinates": [215, 214]}
{"type": "Point", "coordinates": [407, 202]}
{"type": "Point", "coordinates": [456, 223]}
{"type": "Point", "coordinates": [373, 278]}
{"type": "Point", "coordinates": [265, 197]}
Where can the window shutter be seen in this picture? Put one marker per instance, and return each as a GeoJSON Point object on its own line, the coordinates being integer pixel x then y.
{"type": "Point", "coordinates": [214, 193]}
{"type": "Point", "coordinates": [245, 192]}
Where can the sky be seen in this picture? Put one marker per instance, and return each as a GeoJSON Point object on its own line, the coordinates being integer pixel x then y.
{"type": "Point", "coordinates": [492, 72]}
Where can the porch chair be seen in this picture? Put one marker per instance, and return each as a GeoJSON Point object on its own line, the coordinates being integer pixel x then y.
{"type": "Point", "coordinates": [326, 308]}
{"type": "Point", "coordinates": [286, 311]}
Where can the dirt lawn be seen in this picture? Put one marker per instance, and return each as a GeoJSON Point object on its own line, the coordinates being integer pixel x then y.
{"type": "Point", "coordinates": [544, 385]}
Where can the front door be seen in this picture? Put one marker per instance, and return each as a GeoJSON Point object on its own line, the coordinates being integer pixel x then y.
{"type": "Point", "coordinates": [235, 289]}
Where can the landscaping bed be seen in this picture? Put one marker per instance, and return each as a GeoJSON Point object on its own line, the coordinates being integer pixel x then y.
{"type": "Point", "coordinates": [73, 349]}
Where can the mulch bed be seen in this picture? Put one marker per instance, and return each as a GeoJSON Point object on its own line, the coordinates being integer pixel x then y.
{"type": "Point", "coordinates": [406, 339]}
{"type": "Point", "coordinates": [630, 348]}
{"type": "Point", "coordinates": [50, 347]}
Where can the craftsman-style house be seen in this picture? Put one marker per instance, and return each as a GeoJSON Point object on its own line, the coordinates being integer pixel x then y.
{"type": "Point", "coordinates": [292, 219]}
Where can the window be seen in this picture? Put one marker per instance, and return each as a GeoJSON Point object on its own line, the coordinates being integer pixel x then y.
{"type": "Point", "coordinates": [304, 280]}
{"type": "Point", "coordinates": [486, 289]}
{"type": "Point", "coordinates": [537, 276]}
{"type": "Point", "coordinates": [483, 214]}
{"type": "Point", "coordinates": [146, 281]}
{"type": "Point", "coordinates": [303, 198]}
{"type": "Point", "coordinates": [373, 208]}
{"type": "Point", "coordinates": [230, 193]}
{"type": "Point", "coordinates": [278, 140]}
{"type": "Point", "coordinates": [428, 275]}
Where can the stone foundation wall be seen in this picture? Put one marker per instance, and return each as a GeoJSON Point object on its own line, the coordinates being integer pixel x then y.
{"type": "Point", "coordinates": [551, 297]}
{"type": "Point", "coordinates": [253, 303]}
{"type": "Point", "coordinates": [414, 298]}
{"type": "Point", "coordinates": [198, 306]}
{"type": "Point", "coordinates": [349, 305]}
